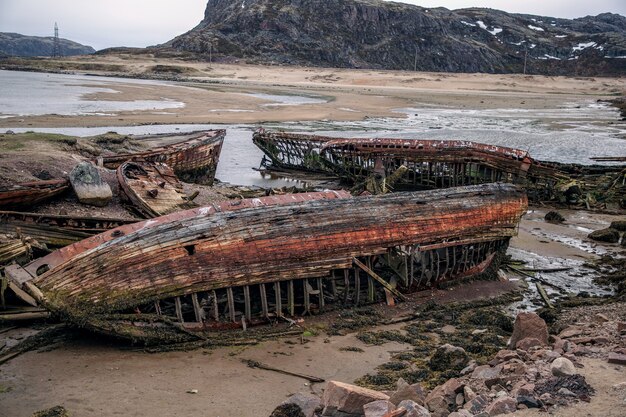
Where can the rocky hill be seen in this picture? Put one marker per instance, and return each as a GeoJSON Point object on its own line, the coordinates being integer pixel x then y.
{"type": "Point", "coordinates": [14, 44]}
{"type": "Point", "coordinates": [376, 34]}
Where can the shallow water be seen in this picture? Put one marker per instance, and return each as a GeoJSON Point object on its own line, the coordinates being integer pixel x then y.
{"type": "Point", "coordinates": [34, 94]}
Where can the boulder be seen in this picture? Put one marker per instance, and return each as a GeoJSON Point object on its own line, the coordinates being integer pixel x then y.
{"type": "Point", "coordinates": [529, 401]}
{"type": "Point", "coordinates": [287, 410]}
{"type": "Point", "coordinates": [461, 413]}
{"type": "Point", "coordinates": [449, 357]}
{"type": "Point", "coordinates": [502, 405]}
{"type": "Point", "coordinates": [529, 325]}
{"type": "Point", "coordinates": [413, 392]}
{"type": "Point", "coordinates": [562, 367]}
{"type": "Point", "coordinates": [554, 217]}
{"type": "Point", "coordinates": [487, 372]}
{"type": "Point", "coordinates": [89, 186]}
{"type": "Point", "coordinates": [348, 398]}
{"type": "Point", "coordinates": [607, 235]}
{"type": "Point", "coordinates": [443, 397]}
{"type": "Point", "coordinates": [378, 408]}
{"type": "Point", "coordinates": [619, 225]}
{"type": "Point", "coordinates": [527, 343]}
{"type": "Point", "coordinates": [308, 403]}
{"type": "Point", "coordinates": [617, 358]}
{"type": "Point", "coordinates": [413, 409]}
{"type": "Point", "coordinates": [477, 405]}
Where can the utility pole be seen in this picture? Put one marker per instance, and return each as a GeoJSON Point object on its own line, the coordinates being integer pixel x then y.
{"type": "Point", "coordinates": [525, 59]}
{"type": "Point", "coordinates": [415, 62]}
{"type": "Point", "coordinates": [56, 44]}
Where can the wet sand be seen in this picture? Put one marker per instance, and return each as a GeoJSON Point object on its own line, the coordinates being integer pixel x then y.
{"type": "Point", "coordinates": [93, 377]}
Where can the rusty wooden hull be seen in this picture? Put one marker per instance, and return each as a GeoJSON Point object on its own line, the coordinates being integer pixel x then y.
{"type": "Point", "coordinates": [30, 193]}
{"type": "Point", "coordinates": [424, 164]}
{"type": "Point", "coordinates": [152, 188]}
{"type": "Point", "coordinates": [194, 160]}
{"type": "Point", "coordinates": [56, 230]}
{"type": "Point", "coordinates": [285, 258]}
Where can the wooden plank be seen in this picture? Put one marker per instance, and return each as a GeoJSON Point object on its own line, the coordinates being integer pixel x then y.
{"type": "Point", "coordinates": [246, 297]}
{"type": "Point", "coordinates": [196, 307]}
{"type": "Point", "coordinates": [379, 279]}
{"type": "Point", "coordinates": [291, 298]}
{"type": "Point", "coordinates": [264, 301]}
{"type": "Point", "coordinates": [231, 304]}
{"type": "Point", "coordinates": [279, 299]}
{"type": "Point", "coordinates": [216, 311]}
{"type": "Point", "coordinates": [179, 309]}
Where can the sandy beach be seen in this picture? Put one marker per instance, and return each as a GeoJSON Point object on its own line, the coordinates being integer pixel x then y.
{"type": "Point", "coordinates": [228, 93]}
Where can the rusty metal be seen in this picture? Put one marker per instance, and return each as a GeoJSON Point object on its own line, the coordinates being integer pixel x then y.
{"type": "Point", "coordinates": [193, 160]}
{"type": "Point", "coordinates": [272, 260]}
{"type": "Point", "coordinates": [57, 230]}
{"type": "Point", "coordinates": [152, 188]}
{"type": "Point", "coordinates": [30, 193]}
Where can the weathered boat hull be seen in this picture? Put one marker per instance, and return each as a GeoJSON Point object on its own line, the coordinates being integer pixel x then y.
{"type": "Point", "coordinates": [30, 193]}
{"type": "Point", "coordinates": [205, 270]}
{"type": "Point", "coordinates": [411, 164]}
{"type": "Point", "coordinates": [194, 160]}
{"type": "Point", "coordinates": [152, 188]}
{"type": "Point", "coordinates": [56, 230]}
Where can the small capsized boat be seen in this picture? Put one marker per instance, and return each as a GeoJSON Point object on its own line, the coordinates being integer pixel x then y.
{"type": "Point", "coordinates": [152, 188]}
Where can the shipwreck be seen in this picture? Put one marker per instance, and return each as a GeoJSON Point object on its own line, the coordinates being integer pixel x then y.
{"type": "Point", "coordinates": [244, 262]}
{"type": "Point", "coordinates": [408, 164]}
{"type": "Point", "coordinates": [193, 160]}
{"type": "Point", "coordinates": [30, 193]}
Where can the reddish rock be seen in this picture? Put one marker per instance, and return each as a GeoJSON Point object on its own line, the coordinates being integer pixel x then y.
{"type": "Point", "coordinates": [506, 355]}
{"type": "Point", "coordinates": [502, 405]}
{"type": "Point", "coordinates": [617, 358]}
{"type": "Point", "coordinates": [308, 403]}
{"type": "Point", "coordinates": [378, 408]}
{"type": "Point", "coordinates": [527, 343]}
{"type": "Point", "coordinates": [477, 405]}
{"type": "Point", "coordinates": [571, 331]}
{"type": "Point", "coordinates": [487, 372]}
{"type": "Point", "coordinates": [348, 398]}
{"type": "Point", "coordinates": [413, 392]}
{"type": "Point", "coordinates": [601, 340]}
{"type": "Point", "coordinates": [413, 409]}
{"type": "Point", "coordinates": [621, 327]}
{"type": "Point", "coordinates": [529, 325]}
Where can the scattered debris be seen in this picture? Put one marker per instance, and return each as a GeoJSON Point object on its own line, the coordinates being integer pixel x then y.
{"type": "Point", "coordinates": [28, 194]}
{"type": "Point", "coordinates": [255, 364]}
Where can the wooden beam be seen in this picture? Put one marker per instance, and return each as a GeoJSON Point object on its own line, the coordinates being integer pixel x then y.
{"type": "Point", "coordinates": [379, 279]}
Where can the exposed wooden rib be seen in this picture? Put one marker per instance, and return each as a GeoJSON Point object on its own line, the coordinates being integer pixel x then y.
{"type": "Point", "coordinates": [179, 310]}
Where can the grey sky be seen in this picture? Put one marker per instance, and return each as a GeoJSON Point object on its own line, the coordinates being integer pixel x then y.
{"type": "Point", "coordinates": [105, 23]}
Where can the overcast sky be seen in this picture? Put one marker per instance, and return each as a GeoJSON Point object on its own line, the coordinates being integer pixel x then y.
{"type": "Point", "coordinates": [106, 23]}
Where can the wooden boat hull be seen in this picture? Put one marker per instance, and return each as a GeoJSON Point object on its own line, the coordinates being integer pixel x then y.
{"type": "Point", "coordinates": [56, 230]}
{"type": "Point", "coordinates": [194, 160]}
{"type": "Point", "coordinates": [30, 193]}
{"type": "Point", "coordinates": [256, 259]}
{"type": "Point", "coordinates": [414, 164]}
{"type": "Point", "coordinates": [152, 188]}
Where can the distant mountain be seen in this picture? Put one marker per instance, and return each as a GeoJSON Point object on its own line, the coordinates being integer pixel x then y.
{"type": "Point", "coordinates": [14, 44]}
{"type": "Point", "coordinates": [376, 34]}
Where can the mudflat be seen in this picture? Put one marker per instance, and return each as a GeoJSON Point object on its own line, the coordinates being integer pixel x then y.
{"type": "Point", "coordinates": [242, 93]}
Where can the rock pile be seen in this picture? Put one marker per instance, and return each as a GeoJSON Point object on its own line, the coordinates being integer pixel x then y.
{"type": "Point", "coordinates": [537, 371]}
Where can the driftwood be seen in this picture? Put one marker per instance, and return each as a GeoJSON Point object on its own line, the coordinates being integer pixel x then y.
{"type": "Point", "coordinates": [259, 365]}
{"type": "Point", "coordinates": [544, 295]}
